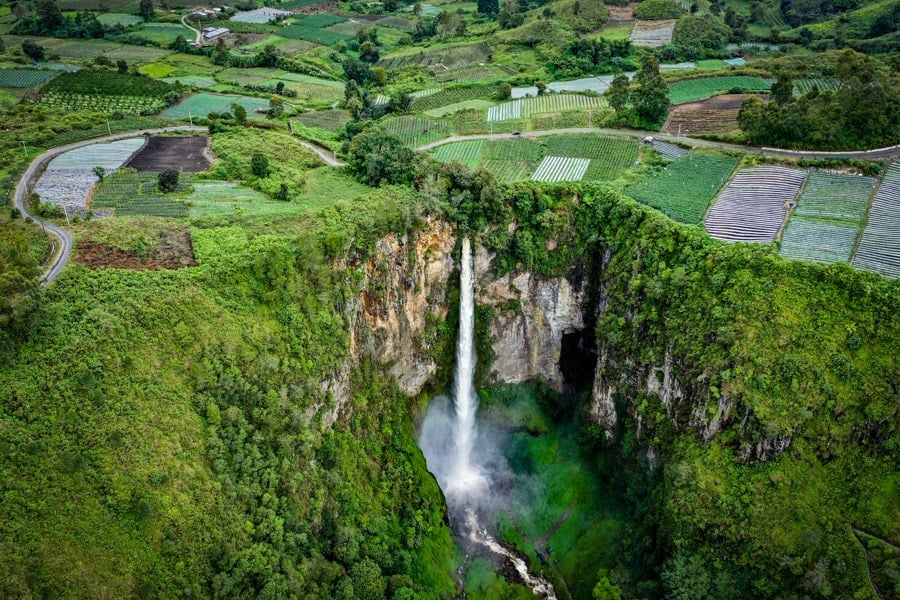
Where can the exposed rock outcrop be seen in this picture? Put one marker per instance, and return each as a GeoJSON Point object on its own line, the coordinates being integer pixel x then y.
{"type": "Point", "coordinates": [402, 288]}
{"type": "Point", "coordinates": [531, 315]}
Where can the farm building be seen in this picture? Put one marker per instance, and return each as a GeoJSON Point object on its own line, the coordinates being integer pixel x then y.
{"type": "Point", "coordinates": [211, 33]}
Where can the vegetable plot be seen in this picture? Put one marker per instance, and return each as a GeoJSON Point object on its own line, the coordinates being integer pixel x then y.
{"type": "Point", "coordinates": [879, 245]}
{"type": "Point", "coordinates": [828, 218]}
{"type": "Point", "coordinates": [753, 206]}
{"type": "Point", "coordinates": [467, 152]}
{"type": "Point", "coordinates": [685, 189]}
{"type": "Point", "coordinates": [700, 89]}
{"type": "Point", "coordinates": [561, 168]}
{"type": "Point", "coordinates": [24, 78]}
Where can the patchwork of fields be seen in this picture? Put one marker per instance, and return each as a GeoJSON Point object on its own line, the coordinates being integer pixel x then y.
{"type": "Point", "coordinates": [69, 178]}
{"type": "Point", "coordinates": [548, 103]}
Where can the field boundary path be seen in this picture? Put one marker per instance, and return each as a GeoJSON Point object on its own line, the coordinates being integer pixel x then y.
{"type": "Point", "coordinates": [56, 264]}
{"type": "Point", "coordinates": [889, 152]}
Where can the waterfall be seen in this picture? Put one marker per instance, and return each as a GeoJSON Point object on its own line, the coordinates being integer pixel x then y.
{"type": "Point", "coordinates": [448, 441]}
{"type": "Point", "coordinates": [465, 478]}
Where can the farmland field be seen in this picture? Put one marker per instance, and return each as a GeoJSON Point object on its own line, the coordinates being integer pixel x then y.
{"type": "Point", "coordinates": [879, 245]}
{"type": "Point", "coordinates": [700, 89]}
{"type": "Point", "coordinates": [25, 78]}
{"type": "Point", "coordinates": [329, 120]}
{"type": "Point", "coordinates": [686, 187]}
{"type": "Point", "coordinates": [450, 96]}
{"type": "Point", "coordinates": [509, 170]}
{"type": "Point", "coordinates": [526, 107]}
{"type": "Point", "coordinates": [226, 197]}
{"type": "Point", "coordinates": [803, 86]}
{"type": "Point", "coordinates": [713, 115]}
{"type": "Point", "coordinates": [188, 154]}
{"type": "Point", "coordinates": [109, 155]}
{"type": "Point", "coordinates": [458, 106]}
{"type": "Point", "coordinates": [444, 59]}
{"type": "Point", "coordinates": [123, 19]}
{"type": "Point", "coordinates": [561, 168]}
{"type": "Point", "coordinates": [134, 194]}
{"type": "Point", "coordinates": [468, 152]}
{"type": "Point", "coordinates": [113, 126]}
{"type": "Point", "coordinates": [652, 34]}
{"type": "Point", "coordinates": [85, 49]}
{"type": "Point", "coordinates": [69, 178]}
{"type": "Point", "coordinates": [669, 151]}
{"type": "Point", "coordinates": [397, 23]}
{"type": "Point", "coordinates": [752, 207]}
{"type": "Point", "coordinates": [312, 34]}
{"type": "Point", "coordinates": [828, 218]}
{"type": "Point", "coordinates": [106, 92]}
{"type": "Point", "coordinates": [138, 54]}
{"type": "Point", "coordinates": [163, 33]}
{"type": "Point", "coordinates": [415, 131]}
{"type": "Point", "coordinates": [200, 105]}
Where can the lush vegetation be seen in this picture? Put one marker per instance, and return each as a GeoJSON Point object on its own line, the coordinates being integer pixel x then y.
{"type": "Point", "coordinates": [859, 115]}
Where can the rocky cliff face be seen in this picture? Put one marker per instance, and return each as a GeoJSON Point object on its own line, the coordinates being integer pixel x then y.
{"type": "Point", "coordinates": [531, 315]}
{"type": "Point", "coordinates": [402, 288]}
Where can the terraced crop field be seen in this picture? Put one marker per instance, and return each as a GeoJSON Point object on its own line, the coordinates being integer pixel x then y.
{"type": "Point", "coordinates": [752, 208]}
{"type": "Point", "coordinates": [548, 103]}
{"type": "Point", "coordinates": [227, 197]}
{"type": "Point", "coordinates": [106, 92]}
{"type": "Point", "coordinates": [25, 78]}
{"type": "Point", "coordinates": [700, 89]}
{"type": "Point", "coordinates": [449, 109]}
{"type": "Point", "coordinates": [313, 34]}
{"type": "Point", "coordinates": [713, 115]}
{"type": "Point", "coordinates": [509, 170]}
{"type": "Point", "coordinates": [468, 152]}
{"type": "Point", "coordinates": [134, 194]}
{"type": "Point", "coordinates": [137, 54]}
{"type": "Point", "coordinates": [457, 57]}
{"type": "Point", "coordinates": [561, 168]}
{"type": "Point", "coordinates": [879, 245]}
{"type": "Point", "coordinates": [652, 34]}
{"type": "Point", "coordinates": [684, 190]}
{"type": "Point", "coordinates": [200, 105]}
{"type": "Point", "coordinates": [329, 120]}
{"type": "Point", "coordinates": [804, 86]}
{"type": "Point", "coordinates": [828, 218]}
{"type": "Point", "coordinates": [415, 131]}
{"type": "Point", "coordinates": [435, 100]}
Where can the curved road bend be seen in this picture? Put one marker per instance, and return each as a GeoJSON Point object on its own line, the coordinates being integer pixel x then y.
{"type": "Point", "coordinates": [891, 152]}
{"type": "Point", "coordinates": [65, 238]}
{"type": "Point", "coordinates": [199, 39]}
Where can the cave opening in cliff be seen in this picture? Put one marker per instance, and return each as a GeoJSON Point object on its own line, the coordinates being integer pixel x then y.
{"type": "Point", "coordinates": [577, 361]}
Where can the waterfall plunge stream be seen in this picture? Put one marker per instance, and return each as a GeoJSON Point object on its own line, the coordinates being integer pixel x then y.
{"type": "Point", "coordinates": [460, 461]}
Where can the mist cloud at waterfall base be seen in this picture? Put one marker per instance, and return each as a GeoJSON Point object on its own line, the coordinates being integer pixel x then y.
{"type": "Point", "coordinates": [484, 484]}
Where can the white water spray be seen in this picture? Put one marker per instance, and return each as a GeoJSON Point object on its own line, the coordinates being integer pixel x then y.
{"type": "Point", "coordinates": [449, 443]}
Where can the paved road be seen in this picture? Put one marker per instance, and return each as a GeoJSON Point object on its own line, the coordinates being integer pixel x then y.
{"type": "Point", "coordinates": [64, 247]}
{"type": "Point", "coordinates": [891, 152]}
{"type": "Point", "coordinates": [199, 40]}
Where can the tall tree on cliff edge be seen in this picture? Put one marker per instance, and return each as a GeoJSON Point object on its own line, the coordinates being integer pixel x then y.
{"type": "Point", "coordinates": [651, 97]}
